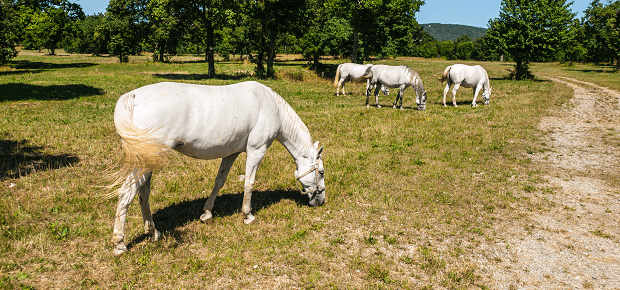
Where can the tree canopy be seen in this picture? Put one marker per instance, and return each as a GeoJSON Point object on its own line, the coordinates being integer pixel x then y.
{"type": "Point", "coordinates": [531, 30]}
{"type": "Point", "coordinates": [359, 30]}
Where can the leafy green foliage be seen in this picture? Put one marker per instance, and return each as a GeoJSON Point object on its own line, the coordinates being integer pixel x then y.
{"type": "Point", "coordinates": [8, 28]}
{"type": "Point", "coordinates": [531, 31]}
{"type": "Point", "coordinates": [601, 25]}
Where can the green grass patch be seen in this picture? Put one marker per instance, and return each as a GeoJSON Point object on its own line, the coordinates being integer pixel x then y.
{"type": "Point", "coordinates": [396, 181]}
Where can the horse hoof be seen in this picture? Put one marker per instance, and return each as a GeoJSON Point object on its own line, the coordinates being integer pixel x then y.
{"type": "Point", "coordinates": [206, 217]}
{"type": "Point", "coordinates": [378, 106]}
{"type": "Point", "coordinates": [393, 107]}
{"type": "Point", "coordinates": [402, 108]}
{"type": "Point", "coordinates": [248, 219]}
{"type": "Point", "coordinates": [119, 250]}
{"type": "Point", "coordinates": [155, 236]}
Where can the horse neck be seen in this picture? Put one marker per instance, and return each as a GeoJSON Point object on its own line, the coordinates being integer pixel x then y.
{"type": "Point", "coordinates": [487, 84]}
{"type": "Point", "coordinates": [294, 134]}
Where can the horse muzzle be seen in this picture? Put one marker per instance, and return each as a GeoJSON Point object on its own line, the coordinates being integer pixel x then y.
{"type": "Point", "coordinates": [317, 197]}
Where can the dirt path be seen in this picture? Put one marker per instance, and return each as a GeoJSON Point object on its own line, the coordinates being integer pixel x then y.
{"type": "Point", "coordinates": [575, 245]}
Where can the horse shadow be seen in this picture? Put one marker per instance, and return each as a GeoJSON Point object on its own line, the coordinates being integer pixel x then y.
{"type": "Point", "coordinates": [18, 158]}
{"type": "Point", "coordinates": [169, 219]}
{"type": "Point", "coordinates": [20, 91]}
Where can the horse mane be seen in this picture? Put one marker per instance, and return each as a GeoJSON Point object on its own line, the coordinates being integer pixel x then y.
{"type": "Point", "coordinates": [292, 127]}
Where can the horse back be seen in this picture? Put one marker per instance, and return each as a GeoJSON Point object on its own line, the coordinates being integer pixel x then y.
{"type": "Point", "coordinates": [207, 122]}
{"type": "Point", "coordinates": [468, 76]}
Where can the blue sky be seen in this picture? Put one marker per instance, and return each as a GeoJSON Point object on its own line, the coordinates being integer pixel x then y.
{"type": "Point", "coordinates": [474, 13]}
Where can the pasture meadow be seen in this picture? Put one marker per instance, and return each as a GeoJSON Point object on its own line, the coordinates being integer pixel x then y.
{"type": "Point", "coordinates": [413, 197]}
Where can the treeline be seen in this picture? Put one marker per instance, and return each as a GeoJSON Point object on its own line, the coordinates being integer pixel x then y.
{"type": "Point", "coordinates": [259, 29]}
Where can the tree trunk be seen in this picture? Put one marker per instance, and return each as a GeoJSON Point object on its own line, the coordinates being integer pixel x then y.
{"type": "Point", "coordinates": [618, 64]}
{"type": "Point", "coordinates": [210, 50]}
{"type": "Point", "coordinates": [272, 56]}
{"type": "Point", "coordinates": [354, 49]}
{"type": "Point", "coordinates": [155, 52]}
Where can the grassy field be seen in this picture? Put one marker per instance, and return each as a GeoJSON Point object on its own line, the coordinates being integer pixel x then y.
{"type": "Point", "coordinates": [412, 196]}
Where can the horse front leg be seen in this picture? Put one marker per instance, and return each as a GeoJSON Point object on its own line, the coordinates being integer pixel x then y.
{"type": "Point", "coordinates": [251, 166]}
{"type": "Point", "coordinates": [145, 207]}
{"type": "Point", "coordinates": [476, 90]}
{"type": "Point", "coordinates": [222, 174]}
{"type": "Point", "coordinates": [126, 194]}
{"type": "Point", "coordinates": [401, 91]}
{"type": "Point", "coordinates": [377, 89]}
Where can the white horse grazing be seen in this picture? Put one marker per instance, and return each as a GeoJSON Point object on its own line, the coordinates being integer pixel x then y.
{"type": "Point", "coordinates": [399, 77]}
{"type": "Point", "coordinates": [207, 122]}
{"type": "Point", "coordinates": [467, 76]}
{"type": "Point", "coordinates": [352, 71]}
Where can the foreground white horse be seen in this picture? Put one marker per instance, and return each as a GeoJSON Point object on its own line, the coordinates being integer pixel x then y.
{"type": "Point", "coordinates": [352, 71]}
{"type": "Point", "coordinates": [207, 122]}
{"type": "Point", "coordinates": [399, 77]}
{"type": "Point", "coordinates": [467, 76]}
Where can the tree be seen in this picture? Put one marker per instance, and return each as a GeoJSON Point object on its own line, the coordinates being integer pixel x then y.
{"type": "Point", "coordinates": [166, 26]}
{"type": "Point", "coordinates": [209, 17]}
{"type": "Point", "coordinates": [125, 27]}
{"type": "Point", "coordinates": [47, 23]}
{"type": "Point", "coordinates": [8, 27]}
{"type": "Point", "coordinates": [531, 30]}
{"type": "Point", "coordinates": [87, 37]}
{"type": "Point", "coordinates": [271, 19]}
{"type": "Point", "coordinates": [601, 24]}
{"type": "Point", "coordinates": [380, 27]}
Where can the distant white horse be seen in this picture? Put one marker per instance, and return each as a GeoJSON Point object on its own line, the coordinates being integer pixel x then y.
{"type": "Point", "coordinates": [467, 76]}
{"type": "Point", "coordinates": [352, 71]}
{"type": "Point", "coordinates": [399, 77]}
{"type": "Point", "coordinates": [207, 122]}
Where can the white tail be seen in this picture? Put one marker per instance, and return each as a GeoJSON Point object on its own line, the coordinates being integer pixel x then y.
{"type": "Point", "coordinates": [444, 76]}
{"type": "Point", "coordinates": [337, 78]}
{"type": "Point", "coordinates": [143, 152]}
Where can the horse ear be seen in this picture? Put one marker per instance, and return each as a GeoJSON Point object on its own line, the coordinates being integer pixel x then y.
{"type": "Point", "coordinates": [318, 155]}
{"type": "Point", "coordinates": [316, 145]}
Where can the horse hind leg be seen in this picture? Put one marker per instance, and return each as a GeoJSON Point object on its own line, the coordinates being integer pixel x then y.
{"type": "Point", "coordinates": [454, 89]}
{"type": "Point", "coordinates": [147, 217]}
{"type": "Point", "coordinates": [445, 92]}
{"type": "Point", "coordinates": [222, 173]}
{"type": "Point", "coordinates": [126, 194]}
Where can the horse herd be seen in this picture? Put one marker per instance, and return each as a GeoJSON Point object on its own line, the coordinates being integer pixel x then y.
{"type": "Point", "coordinates": [212, 122]}
{"type": "Point", "coordinates": [401, 77]}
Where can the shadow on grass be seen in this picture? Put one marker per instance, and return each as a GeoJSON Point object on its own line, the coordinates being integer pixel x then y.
{"type": "Point", "coordinates": [18, 158]}
{"type": "Point", "coordinates": [169, 219]}
{"type": "Point", "coordinates": [37, 65]}
{"type": "Point", "coordinates": [18, 92]}
{"type": "Point", "coordinates": [178, 77]}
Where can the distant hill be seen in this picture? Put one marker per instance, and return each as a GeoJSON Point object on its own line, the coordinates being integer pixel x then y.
{"type": "Point", "coordinates": [443, 32]}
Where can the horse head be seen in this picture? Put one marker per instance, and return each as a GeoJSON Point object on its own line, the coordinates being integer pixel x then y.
{"type": "Point", "coordinates": [313, 180]}
{"type": "Point", "coordinates": [486, 96]}
{"type": "Point", "coordinates": [421, 101]}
